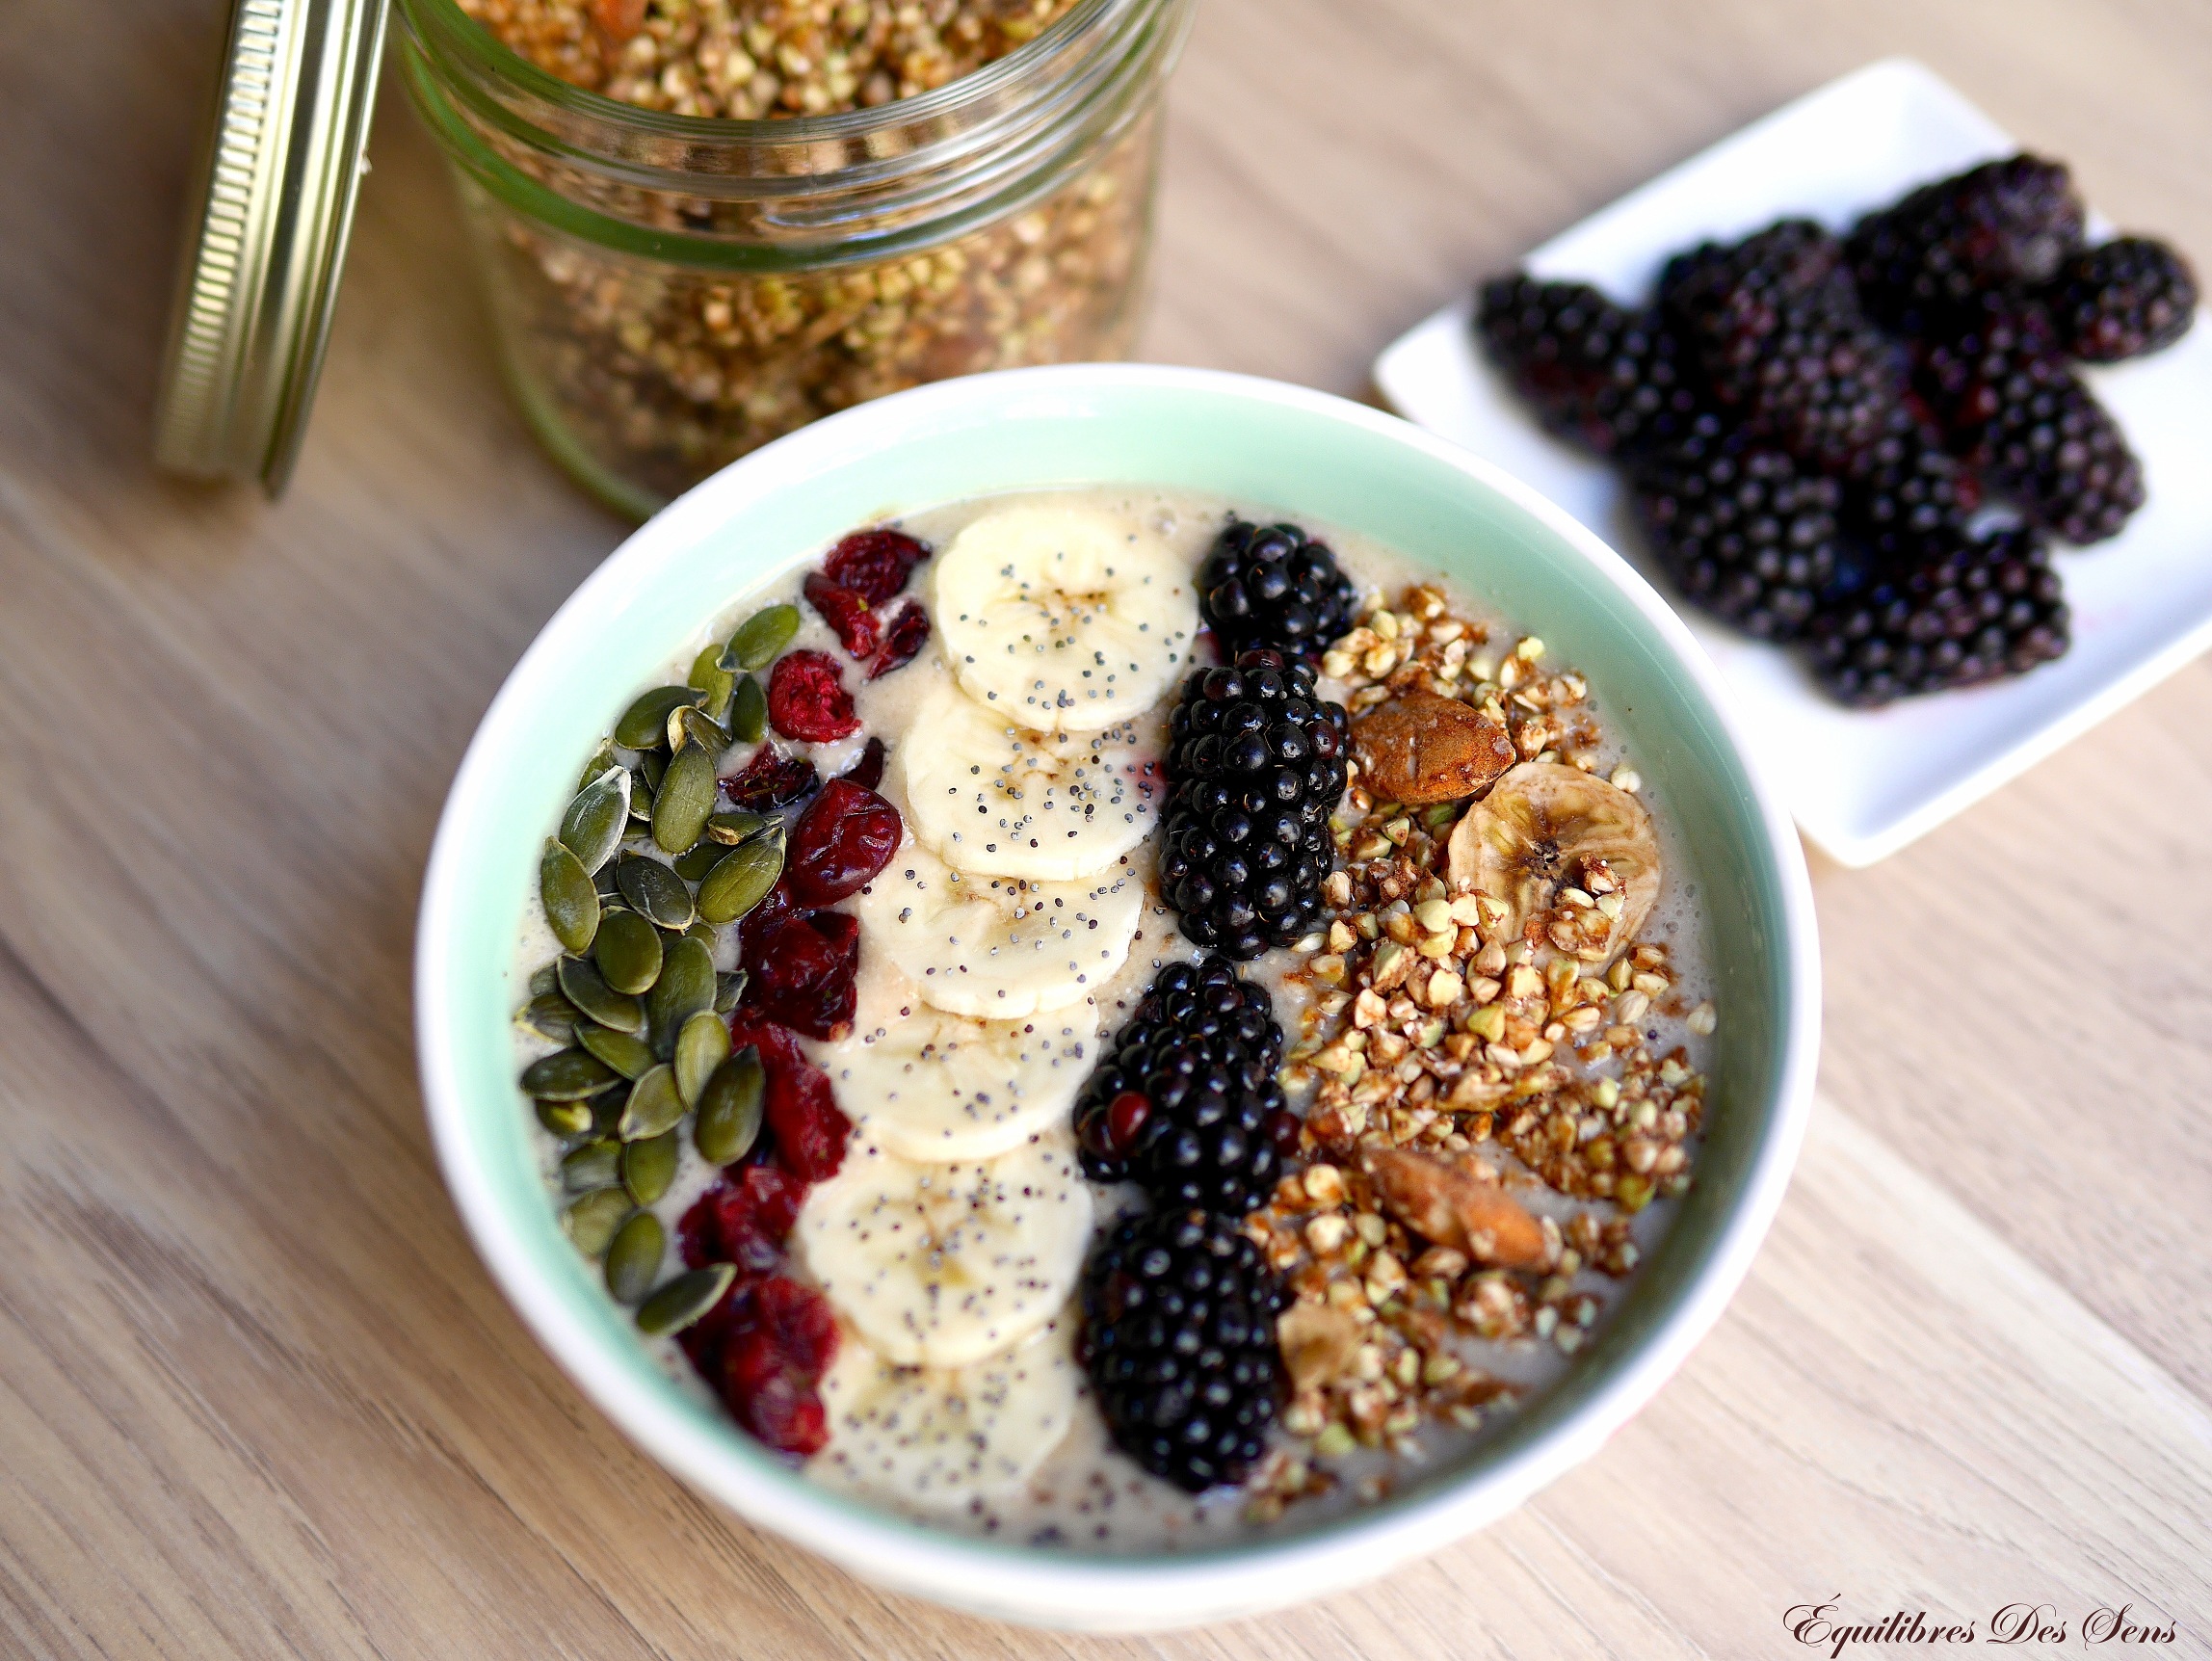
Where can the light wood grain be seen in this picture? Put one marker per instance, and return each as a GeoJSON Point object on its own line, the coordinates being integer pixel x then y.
{"type": "Point", "coordinates": [256, 1397]}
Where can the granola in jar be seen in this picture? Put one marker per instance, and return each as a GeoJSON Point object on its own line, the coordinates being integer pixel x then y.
{"type": "Point", "coordinates": [750, 214]}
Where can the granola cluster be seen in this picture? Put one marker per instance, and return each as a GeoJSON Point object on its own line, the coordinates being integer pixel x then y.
{"type": "Point", "coordinates": [1492, 1099]}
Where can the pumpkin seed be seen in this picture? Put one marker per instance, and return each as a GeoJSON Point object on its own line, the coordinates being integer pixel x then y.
{"type": "Point", "coordinates": [649, 1166]}
{"type": "Point", "coordinates": [602, 758]}
{"type": "Point", "coordinates": [628, 1055]}
{"type": "Point", "coordinates": [644, 724]}
{"type": "Point", "coordinates": [705, 933]}
{"type": "Point", "coordinates": [694, 725]}
{"type": "Point", "coordinates": [749, 711]}
{"type": "Point", "coordinates": [571, 903]}
{"type": "Point", "coordinates": [654, 891]}
{"type": "Point", "coordinates": [685, 988]}
{"type": "Point", "coordinates": [583, 985]}
{"type": "Point", "coordinates": [707, 676]}
{"type": "Point", "coordinates": [655, 1107]}
{"type": "Point", "coordinates": [607, 1109]}
{"type": "Point", "coordinates": [685, 798]}
{"type": "Point", "coordinates": [627, 952]}
{"type": "Point", "coordinates": [702, 860]}
{"type": "Point", "coordinates": [760, 636]}
{"type": "Point", "coordinates": [549, 1015]}
{"type": "Point", "coordinates": [595, 1165]}
{"type": "Point", "coordinates": [727, 990]}
{"type": "Point", "coordinates": [652, 764]}
{"type": "Point", "coordinates": [741, 881]}
{"type": "Point", "coordinates": [593, 1221]}
{"type": "Point", "coordinates": [633, 1257]}
{"type": "Point", "coordinates": [603, 881]}
{"type": "Point", "coordinates": [591, 829]}
{"type": "Point", "coordinates": [684, 1300]}
{"type": "Point", "coordinates": [564, 1117]}
{"type": "Point", "coordinates": [641, 799]}
{"type": "Point", "coordinates": [702, 1044]}
{"type": "Point", "coordinates": [542, 981]}
{"type": "Point", "coordinates": [729, 1121]}
{"type": "Point", "coordinates": [736, 826]}
{"type": "Point", "coordinates": [567, 1076]}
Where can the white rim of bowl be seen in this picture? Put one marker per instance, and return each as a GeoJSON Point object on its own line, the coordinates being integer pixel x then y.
{"type": "Point", "coordinates": [1151, 1592]}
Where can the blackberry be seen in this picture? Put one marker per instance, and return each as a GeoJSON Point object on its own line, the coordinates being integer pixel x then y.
{"type": "Point", "coordinates": [1781, 338]}
{"type": "Point", "coordinates": [1908, 496]}
{"type": "Point", "coordinates": [2012, 407]}
{"type": "Point", "coordinates": [1614, 381]}
{"type": "Point", "coordinates": [2122, 299]}
{"type": "Point", "coordinates": [1185, 1102]}
{"type": "Point", "coordinates": [1178, 1335]}
{"type": "Point", "coordinates": [1256, 764]}
{"type": "Point", "coordinates": [2003, 226]}
{"type": "Point", "coordinates": [1274, 586]}
{"type": "Point", "coordinates": [1979, 611]}
{"type": "Point", "coordinates": [1744, 531]}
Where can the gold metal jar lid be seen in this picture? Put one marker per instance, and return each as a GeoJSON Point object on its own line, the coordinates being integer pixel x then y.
{"type": "Point", "coordinates": [266, 236]}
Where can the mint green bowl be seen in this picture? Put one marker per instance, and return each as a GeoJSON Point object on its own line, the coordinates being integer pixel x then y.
{"type": "Point", "coordinates": [1283, 448]}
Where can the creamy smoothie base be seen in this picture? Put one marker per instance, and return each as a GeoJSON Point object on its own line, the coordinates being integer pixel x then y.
{"type": "Point", "coordinates": [1338, 1444]}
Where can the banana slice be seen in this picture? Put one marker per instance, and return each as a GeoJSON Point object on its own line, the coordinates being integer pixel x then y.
{"type": "Point", "coordinates": [1061, 620]}
{"type": "Point", "coordinates": [999, 947]}
{"type": "Point", "coordinates": [995, 798]}
{"type": "Point", "coordinates": [937, 1438]}
{"type": "Point", "coordinates": [940, 1265]}
{"type": "Point", "coordinates": [1545, 828]}
{"type": "Point", "coordinates": [936, 1085]}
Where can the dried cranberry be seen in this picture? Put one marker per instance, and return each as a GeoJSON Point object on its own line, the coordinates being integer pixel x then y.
{"type": "Point", "coordinates": [908, 633]}
{"type": "Point", "coordinates": [801, 1112]}
{"type": "Point", "coordinates": [846, 836]}
{"type": "Point", "coordinates": [802, 972]}
{"type": "Point", "coordinates": [771, 779]}
{"type": "Point", "coordinates": [859, 628]}
{"type": "Point", "coordinates": [806, 698]}
{"type": "Point", "coordinates": [744, 1218]}
{"type": "Point", "coordinates": [773, 1358]}
{"type": "Point", "coordinates": [867, 772]}
{"type": "Point", "coordinates": [875, 564]}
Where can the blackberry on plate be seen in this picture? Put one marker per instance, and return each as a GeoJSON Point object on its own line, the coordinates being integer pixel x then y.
{"type": "Point", "coordinates": [1984, 610]}
{"type": "Point", "coordinates": [2006, 224]}
{"type": "Point", "coordinates": [2012, 407]}
{"type": "Point", "coordinates": [1779, 336]}
{"type": "Point", "coordinates": [1185, 1102]}
{"type": "Point", "coordinates": [1614, 381]}
{"type": "Point", "coordinates": [1744, 532]}
{"type": "Point", "coordinates": [1255, 765]}
{"type": "Point", "coordinates": [1178, 1334]}
{"type": "Point", "coordinates": [1274, 586]}
{"type": "Point", "coordinates": [2122, 299]}
{"type": "Point", "coordinates": [1908, 496]}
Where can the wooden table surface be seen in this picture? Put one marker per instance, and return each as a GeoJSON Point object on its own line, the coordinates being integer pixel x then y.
{"type": "Point", "coordinates": [256, 1395]}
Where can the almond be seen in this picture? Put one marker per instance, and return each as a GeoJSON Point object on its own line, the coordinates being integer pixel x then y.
{"type": "Point", "coordinates": [1450, 1205]}
{"type": "Point", "coordinates": [1420, 748]}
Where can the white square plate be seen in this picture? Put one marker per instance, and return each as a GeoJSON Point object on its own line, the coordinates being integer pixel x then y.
{"type": "Point", "coordinates": [1864, 783]}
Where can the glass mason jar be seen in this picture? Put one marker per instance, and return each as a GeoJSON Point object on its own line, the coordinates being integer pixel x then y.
{"type": "Point", "coordinates": [670, 292]}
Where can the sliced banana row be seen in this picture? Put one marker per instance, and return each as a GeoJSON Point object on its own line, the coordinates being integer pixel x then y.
{"type": "Point", "coordinates": [950, 1240]}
